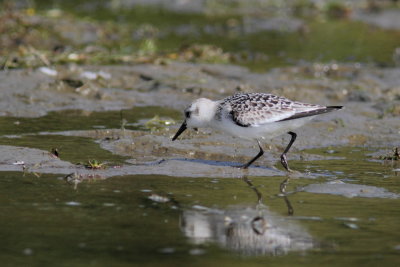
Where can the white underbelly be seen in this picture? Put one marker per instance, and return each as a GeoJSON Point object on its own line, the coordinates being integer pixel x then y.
{"type": "Point", "coordinates": [266, 131]}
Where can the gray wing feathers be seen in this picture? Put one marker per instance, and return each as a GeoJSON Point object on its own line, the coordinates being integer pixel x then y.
{"type": "Point", "coordinates": [312, 112]}
{"type": "Point", "coordinates": [255, 109]}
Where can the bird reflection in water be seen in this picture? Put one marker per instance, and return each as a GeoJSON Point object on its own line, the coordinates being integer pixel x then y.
{"type": "Point", "coordinates": [247, 230]}
{"type": "Point", "coordinates": [282, 189]}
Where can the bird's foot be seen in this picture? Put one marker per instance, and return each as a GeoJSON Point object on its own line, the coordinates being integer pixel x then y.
{"type": "Point", "coordinates": [242, 167]}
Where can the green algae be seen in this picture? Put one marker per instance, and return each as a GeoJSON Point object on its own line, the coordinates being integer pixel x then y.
{"type": "Point", "coordinates": [67, 120]}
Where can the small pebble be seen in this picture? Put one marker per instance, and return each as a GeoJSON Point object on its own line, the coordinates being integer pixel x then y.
{"type": "Point", "coordinates": [89, 75]}
{"type": "Point", "coordinates": [48, 71]}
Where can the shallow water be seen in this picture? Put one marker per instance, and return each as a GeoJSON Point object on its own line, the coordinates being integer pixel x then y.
{"type": "Point", "coordinates": [82, 120]}
{"type": "Point", "coordinates": [161, 220]}
{"type": "Point", "coordinates": [164, 220]}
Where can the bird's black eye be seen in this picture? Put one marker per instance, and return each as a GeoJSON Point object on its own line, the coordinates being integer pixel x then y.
{"type": "Point", "coordinates": [187, 114]}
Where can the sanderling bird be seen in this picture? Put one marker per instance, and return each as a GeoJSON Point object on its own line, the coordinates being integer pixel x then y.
{"type": "Point", "coordinates": [252, 116]}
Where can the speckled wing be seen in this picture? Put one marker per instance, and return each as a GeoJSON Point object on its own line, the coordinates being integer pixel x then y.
{"type": "Point", "coordinates": [256, 109]}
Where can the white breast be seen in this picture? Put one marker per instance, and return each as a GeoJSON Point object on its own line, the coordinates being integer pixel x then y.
{"type": "Point", "coordinates": [264, 131]}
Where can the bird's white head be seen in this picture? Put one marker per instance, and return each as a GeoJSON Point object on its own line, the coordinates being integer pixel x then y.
{"type": "Point", "coordinates": [199, 114]}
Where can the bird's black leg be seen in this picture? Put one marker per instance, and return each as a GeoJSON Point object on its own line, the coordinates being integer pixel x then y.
{"type": "Point", "coordinates": [260, 153]}
{"type": "Point", "coordinates": [282, 189]}
{"type": "Point", "coordinates": [283, 156]}
{"type": "Point", "coordinates": [258, 193]}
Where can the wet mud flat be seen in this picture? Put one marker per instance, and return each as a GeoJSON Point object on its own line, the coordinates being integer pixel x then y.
{"type": "Point", "coordinates": [146, 103]}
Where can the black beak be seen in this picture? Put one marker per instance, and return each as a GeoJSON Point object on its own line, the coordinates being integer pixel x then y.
{"type": "Point", "coordinates": [181, 130]}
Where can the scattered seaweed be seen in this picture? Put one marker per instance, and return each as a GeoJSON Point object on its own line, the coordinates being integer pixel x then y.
{"type": "Point", "coordinates": [157, 123]}
{"type": "Point", "coordinates": [55, 153]}
{"type": "Point", "coordinates": [31, 39]}
{"type": "Point", "coordinates": [93, 165]}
